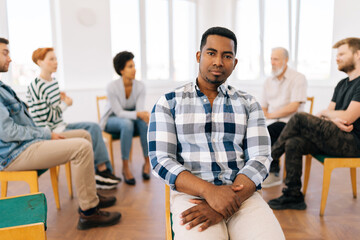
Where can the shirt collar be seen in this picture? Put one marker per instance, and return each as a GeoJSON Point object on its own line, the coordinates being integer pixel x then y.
{"type": "Point", "coordinates": [223, 88]}
{"type": "Point", "coordinates": [286, 76]}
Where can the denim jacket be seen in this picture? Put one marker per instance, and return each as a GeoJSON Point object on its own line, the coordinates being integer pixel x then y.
{"type": "Point", "coordinates": [17, 129]}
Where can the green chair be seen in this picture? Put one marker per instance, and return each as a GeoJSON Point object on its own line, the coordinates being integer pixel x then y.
{"type": "Point", "coordinates": [23, 217]}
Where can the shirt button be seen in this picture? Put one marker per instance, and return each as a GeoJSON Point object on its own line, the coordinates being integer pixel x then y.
{"type": "Point", "coordinates": [204, 100]}
{"type": "Point", "coordinates": [213, 139]}
{"type": "Point", "coordinates": [220, 177]}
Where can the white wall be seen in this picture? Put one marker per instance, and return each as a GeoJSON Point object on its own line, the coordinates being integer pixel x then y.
{"type": "Point", "coordinates": [87, 52]}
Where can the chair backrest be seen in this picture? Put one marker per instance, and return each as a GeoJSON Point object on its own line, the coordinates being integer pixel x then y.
{"type": "Point", "coordinates": [98, 99]}
{"type": "Point", "coordinates": [311, 100]}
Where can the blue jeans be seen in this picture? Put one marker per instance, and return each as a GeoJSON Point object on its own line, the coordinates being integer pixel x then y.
{"type": "Point", "coordinates": [127, 128]}
{"type": "Point", "coordinates": [100, 152]}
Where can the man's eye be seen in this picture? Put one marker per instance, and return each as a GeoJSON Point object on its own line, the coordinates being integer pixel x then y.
{"type": "Point", "coordinates": [211, 53]}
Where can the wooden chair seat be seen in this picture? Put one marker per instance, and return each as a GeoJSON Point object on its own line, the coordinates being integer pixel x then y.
{"type": "Point", "coordinates": [31, 177]}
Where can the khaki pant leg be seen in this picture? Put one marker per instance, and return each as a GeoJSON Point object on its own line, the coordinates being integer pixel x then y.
{"type": "Point", "coordinates": [47, 154]}
{"type": "Point", "coordinates": [179, 203]}
{"type": "Point", "coordinates": [255, 220]}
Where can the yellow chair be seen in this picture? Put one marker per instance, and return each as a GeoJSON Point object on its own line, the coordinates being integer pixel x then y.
{"type": "Point", "coordinates": [109, 138]}
{"type": "Point", "coordinates": [330, 163]}
{"type": "Point", "coordinates": [311, 100]}
{"type": "Point", "coordinates": [168, 230]}
{"type": "Point", "coordinates": [31, 177]}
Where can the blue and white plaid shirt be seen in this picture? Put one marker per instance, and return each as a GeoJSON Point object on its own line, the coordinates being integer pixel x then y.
{"type": "Point", "coordinates": [214, 143]}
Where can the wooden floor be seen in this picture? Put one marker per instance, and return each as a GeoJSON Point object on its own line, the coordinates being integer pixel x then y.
{"type": "Point", "coordinates": [142, 208]}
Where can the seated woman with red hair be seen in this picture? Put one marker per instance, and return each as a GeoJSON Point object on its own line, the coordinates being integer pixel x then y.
{"type": "Point", "coordinates": [46, 106]}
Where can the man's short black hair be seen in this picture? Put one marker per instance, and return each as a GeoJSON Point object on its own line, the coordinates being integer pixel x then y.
{"type": "Point", "coordinates": [224, 32]}
{"type": "Point", "coordinates": [121, 59]}
{"type": "Point", "coordinates": [4, 40]}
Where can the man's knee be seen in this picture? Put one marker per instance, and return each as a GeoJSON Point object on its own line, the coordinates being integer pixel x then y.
{"type": "Point", "coordinates": [86, 135]}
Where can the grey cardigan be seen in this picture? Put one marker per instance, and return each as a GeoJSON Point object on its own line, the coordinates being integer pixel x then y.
{"type": "Point", "coordinates": [118, 105]}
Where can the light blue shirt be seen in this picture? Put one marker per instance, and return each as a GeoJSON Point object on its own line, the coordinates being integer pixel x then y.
{"type": "Point", "coordinates": [17, 130]}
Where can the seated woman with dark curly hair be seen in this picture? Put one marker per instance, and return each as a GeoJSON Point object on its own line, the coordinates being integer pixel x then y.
{"type": "Point", "coordinates": [125, 115]}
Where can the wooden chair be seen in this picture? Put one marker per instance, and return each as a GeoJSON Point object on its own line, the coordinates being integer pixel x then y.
{"type": "Point", "coordinates": [109, 138]}
{"type": "Point", "coordinates": [31, 177]}
{"type": "Point", "coordinates": [311, 101]}
{"type": "Point", "coordinates": [168, 230]}
{"type": "Point", "coordinates": [330, 163]}
{"type": "Point", "coordinates": [23, 217]}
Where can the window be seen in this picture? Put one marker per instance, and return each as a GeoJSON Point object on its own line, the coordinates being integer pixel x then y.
{"type": "Point", "coordinates": [276, 29]}
{"type": "Point", "coordinates": [28, 30]}
{"type": "Point", "coordinates": [248, 38]}
{"type": "Point", "coordinates": [264, 24]}
{"type": "Point", "coordinates": [315, 38]}
{"type": "Point", "coordinates": [125, 30]}
{"type": "Point", "coordinates": [160, 33]}
{"type": "Point", "coordinates": [184, 40]}
{"type": "Point", "coordinates": [157, 39]}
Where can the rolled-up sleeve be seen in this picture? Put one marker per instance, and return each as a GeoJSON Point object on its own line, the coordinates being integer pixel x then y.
{"type": "Point", "coordinates": [257, 146]}
{"type": "Point", "coordinates": [163, 142]}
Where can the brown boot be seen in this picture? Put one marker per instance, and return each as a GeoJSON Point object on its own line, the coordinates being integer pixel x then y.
{"type": "Point", "coordinates": [98, 219]}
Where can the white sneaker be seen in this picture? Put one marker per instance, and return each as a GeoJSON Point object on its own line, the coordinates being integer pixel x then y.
{"type": "Point", "coordinates": [272, 180]}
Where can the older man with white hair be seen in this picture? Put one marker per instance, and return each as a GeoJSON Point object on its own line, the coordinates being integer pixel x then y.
{"type": "Point", "coordinates": [284, 94]}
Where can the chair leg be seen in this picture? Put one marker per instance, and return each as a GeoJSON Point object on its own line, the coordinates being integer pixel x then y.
{"type": "Point", "coordinates": [308, 159]}
{"type": "Point", "coordinates": [326, 186]}
{"type": "Point", "coordinates": [54, 183]}
{"type": "Point", "coordinates": [353, 181]}
{"type": "Point", "coordinates": [4, 186]}
{"type": "Point", "coordinates": [111, 153]}
{"type": "Point", "coordinates": [68, 178]}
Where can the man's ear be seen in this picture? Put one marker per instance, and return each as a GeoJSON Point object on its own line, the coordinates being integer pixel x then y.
{"type": "Point", "coordinates": [198, 54]}
{"type": "Point", "coordinates": [235, 63]}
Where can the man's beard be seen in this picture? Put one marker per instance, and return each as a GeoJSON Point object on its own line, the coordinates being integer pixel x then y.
{"type": "Point", "coordinates": [348, 67]}
{"type": "Point", "coordinates": [278, 72]}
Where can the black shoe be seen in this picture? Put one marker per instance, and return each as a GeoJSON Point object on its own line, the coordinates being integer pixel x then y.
{"type": "Point", "coordinates": [288, 201]}
{"type": "Point", "coordinates": [106, 177]}
{"type": "Point", "coordinates": [129, 181]}
{"type": "Point", "coordinates": [98, 219]}
{"type": "Point", "coordinates": [105, 201]}
{"type": "Point", "coordinates": [146, 176]}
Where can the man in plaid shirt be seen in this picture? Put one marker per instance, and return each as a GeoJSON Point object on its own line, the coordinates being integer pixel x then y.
{"type": "Point", "coordinates": [209, 142]}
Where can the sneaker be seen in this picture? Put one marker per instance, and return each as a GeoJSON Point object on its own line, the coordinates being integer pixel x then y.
{"type": "Point", "coordinates": [105, 186]}
{"type": "Point", "coordinates": [272, 180]}
{"type": "Point", "coordinates": [287, 201]}
{"type": "Point", "coordinates": [98, 219]}
{"type": "Point", "coordinates": [106, 177]}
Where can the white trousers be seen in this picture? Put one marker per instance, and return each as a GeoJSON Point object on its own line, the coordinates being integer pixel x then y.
{"type": "Point", "coordinates": [254, 220]}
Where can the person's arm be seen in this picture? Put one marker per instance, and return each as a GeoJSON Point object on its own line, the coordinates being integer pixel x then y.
{"type": "Point", "coordinates": [115, 102]}
{"type": "Point", "coordinates": [350, 115]}
{"type": "Point", "coordinates": [11, 131]}
{"type": "Point", "coordinates": [140, 102]}
{"type": "Point", "coordinates": [41, 108]}
{"type": "Point", "coordinates": [284, 111]}
{"type": "Point", "coordinates": [258, 150]}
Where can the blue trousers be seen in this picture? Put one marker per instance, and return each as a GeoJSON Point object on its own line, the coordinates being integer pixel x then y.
{"type": "Point", "coordinates": [100, 152]}
{"type": "Point", "coordinates": [126, 129]}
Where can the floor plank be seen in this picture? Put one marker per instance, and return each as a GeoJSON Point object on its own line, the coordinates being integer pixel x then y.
{"type": "Point", "coordinates": [142, 207]}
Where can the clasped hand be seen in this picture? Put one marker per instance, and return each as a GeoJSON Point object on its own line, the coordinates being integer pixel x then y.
{"type": "Point", "coordinates": [221, 202]}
